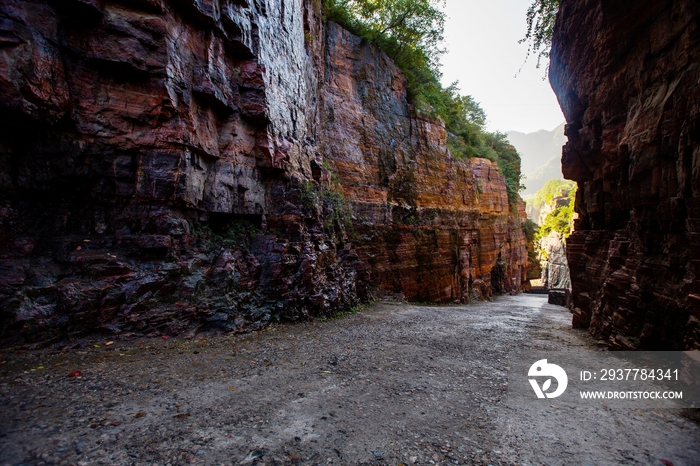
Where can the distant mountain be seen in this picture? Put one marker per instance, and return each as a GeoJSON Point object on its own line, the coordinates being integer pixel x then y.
{"type": "Point", "coordinates": [540, 154]}
{"type": "Point", "coordinates": [534, 181]}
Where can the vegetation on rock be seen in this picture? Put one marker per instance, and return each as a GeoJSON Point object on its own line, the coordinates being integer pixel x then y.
{"type": "Point", "coordinates": [556, 199]}
{"type": "Point", "coordinates": [560, 195]}
{"type": "Point", "coordinates": [558, 220]}
{"type": "Point", "coordinates": [410, 33]}
{"type": "Point", "coordinates": [332, 207]}
{"type": "Point", "coordinates": [540, 18]}
{"type": "Point", "coordinates": [552, 188]}
{"type": "Point", "coordinates": [530, 229]}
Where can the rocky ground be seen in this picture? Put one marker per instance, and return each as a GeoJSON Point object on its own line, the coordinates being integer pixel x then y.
{"type": "Point", "coordinates": [393, 384]}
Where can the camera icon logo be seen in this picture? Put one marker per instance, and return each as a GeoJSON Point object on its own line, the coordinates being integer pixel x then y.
{"type": "Point", "coordinates": [543, 369]}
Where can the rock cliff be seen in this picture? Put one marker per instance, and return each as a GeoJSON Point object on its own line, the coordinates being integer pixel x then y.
{"type": "Point", "coordinates": [627, 77]}
{"type": "Point", "coordinates": [430, 227]}
{"type": "Point", "coordinates": [555, 270]}
{"type": "Point", "coordinates": [171, 164]}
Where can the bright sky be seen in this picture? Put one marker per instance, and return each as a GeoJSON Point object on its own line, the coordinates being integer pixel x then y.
{"type": "Point", "coordinates": [484, 55]}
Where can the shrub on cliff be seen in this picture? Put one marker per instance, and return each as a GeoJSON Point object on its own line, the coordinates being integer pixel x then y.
{"type": "Point", "coordinates": [530, 229]}
{"type": "Point", "coordinates": [552, 188]}
{"type": "Point", "coordinates": [408, 31]}
{"type": "Point", "coordinates": [508, 161]}
{"type": "Point", "coordinates": [540, 18]}
{"type": "Point", "coordinates": [560, 195]}
{"type": "Point", "coordinates": [557, 220]}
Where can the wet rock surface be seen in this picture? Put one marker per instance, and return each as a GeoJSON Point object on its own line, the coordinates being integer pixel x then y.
{"type": "Point", "coordinates": [396, 383]}
{"type": "Point", "coordinates": [626, 76]}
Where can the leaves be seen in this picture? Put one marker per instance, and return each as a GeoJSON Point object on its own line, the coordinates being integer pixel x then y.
{"type": "Point", "coordinates": [75, 374]}
{"type": "Point", "coordinates": [561, 218]}
{"type": "Point", "coordinates": [552, 188]}
{"type": "Point", "coordinates": [540, 18]}
{"type": "Point", "coordinates": [408, 31]}
{"type": "Point", "coordinates": [399, 25]}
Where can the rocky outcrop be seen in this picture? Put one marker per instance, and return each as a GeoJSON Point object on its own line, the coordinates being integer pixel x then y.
{"type": "Point", "coordinates": [627, 77]}
{"type": "Point", "coordinates": [171, 164]}
{"type": "Point", "coordinates": [555, 270]}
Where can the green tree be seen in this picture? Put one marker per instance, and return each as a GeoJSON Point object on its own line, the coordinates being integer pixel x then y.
{"type": "Point", "coordinates": [540, 18]}
{"type": "Point", "coordinates": [408, 31]}
{"type": "Point", "coordinates": [403, 25]}
{"type": "Point", "coordinates": [508, 161]}
{"type": "Point", "coordinates": [553, 188]}
{"type": "Point", "coordinates": [559, 219]}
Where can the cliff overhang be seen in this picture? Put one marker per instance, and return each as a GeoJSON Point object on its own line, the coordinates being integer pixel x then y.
{"type": "Point", "coordinates": [627, 78]}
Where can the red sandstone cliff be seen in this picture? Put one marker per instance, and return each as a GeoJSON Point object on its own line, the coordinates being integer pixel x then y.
{"type": "Point", "coordinates": [627, 77]}
{"type": "Point", "coordinates": [431, 227]}
{"type": "Point", "coordinates": [168, 164]}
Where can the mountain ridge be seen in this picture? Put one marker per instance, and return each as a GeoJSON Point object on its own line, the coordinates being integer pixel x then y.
{"type": "Point", "coordinates": [540, 152]}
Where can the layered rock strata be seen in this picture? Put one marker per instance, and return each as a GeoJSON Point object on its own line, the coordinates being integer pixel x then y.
{"type": "Point", "coordinates": [627, 77]}
{"type": "Point", "coordinates": [430, 227]}
{"type": "Point", "coordinates": [169, 164]}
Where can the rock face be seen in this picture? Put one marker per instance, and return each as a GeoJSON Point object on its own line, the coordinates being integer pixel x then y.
{"type": "Point", "coordinates": [627, 77]}
{"type": "Point", "coordinates": [555, 269]}
{"type": "Point", "coordinates": [152, 158]}
{"type": "Point", "coordinates": [430, 227]}
{"type": "Point", "coordinates": [165, 164]}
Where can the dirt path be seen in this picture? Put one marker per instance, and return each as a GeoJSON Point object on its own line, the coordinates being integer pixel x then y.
{"type": "Point", "coordinates": [394, 384]}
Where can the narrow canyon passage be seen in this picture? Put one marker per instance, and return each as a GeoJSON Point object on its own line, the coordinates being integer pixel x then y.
{"type": "Point", "coordinates": [394, 384]}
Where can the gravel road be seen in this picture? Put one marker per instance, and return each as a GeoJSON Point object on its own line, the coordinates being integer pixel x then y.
{"type": "Point", "coordinates": [394, 384]}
